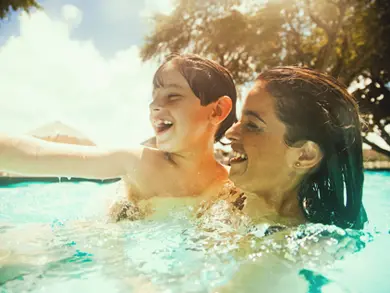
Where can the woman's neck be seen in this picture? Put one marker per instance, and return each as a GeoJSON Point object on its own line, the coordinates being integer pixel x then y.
{"type": "Point", "coordinates": [277, 204]}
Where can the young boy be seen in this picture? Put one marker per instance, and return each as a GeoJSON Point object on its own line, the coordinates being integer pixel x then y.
{"type": "Point", "coordinates": [193, 105]}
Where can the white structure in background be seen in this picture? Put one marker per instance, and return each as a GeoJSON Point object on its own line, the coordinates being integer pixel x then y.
{"type": "Point", "coordinates": [57, 132]}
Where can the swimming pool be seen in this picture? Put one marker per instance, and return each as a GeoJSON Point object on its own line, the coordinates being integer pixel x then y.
{"type": "Point", "coordinates": [54, 238]}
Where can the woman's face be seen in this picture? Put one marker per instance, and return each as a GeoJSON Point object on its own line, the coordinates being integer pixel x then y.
{"type": "Point", "coordinates": [261, 157]}
{"type": "Point", "coordinates": [179, 120]}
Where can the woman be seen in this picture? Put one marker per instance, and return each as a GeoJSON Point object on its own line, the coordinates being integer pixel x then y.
{"type": "Point", "coordinates": [193, 105]}
{"type": "Point", "coordinates": [298, 150]}
{"type": "Point", "coordinates": [298, 158]}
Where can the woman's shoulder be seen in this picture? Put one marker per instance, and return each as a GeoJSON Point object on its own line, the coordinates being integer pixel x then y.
{"type": "Point", "coordinates": [125, 210]}
{"type": "Point", "coordinates": [232, 195]}
{"type": "Point", "coordinates": [124, 202]}
{"type": "Point", "coordinates": [223, 211]}
{"type": "Point", "coordinates": [223, 191]}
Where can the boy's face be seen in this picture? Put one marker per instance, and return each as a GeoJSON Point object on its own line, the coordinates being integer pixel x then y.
{"type": "Point", "coordinates": [178, 119]}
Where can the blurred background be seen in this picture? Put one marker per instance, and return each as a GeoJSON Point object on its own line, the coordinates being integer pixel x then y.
{"type": "Point", "coordinates": [80, 71]}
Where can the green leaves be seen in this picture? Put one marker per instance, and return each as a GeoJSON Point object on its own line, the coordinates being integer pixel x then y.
{"type": "Point", "coordinates": [6, 6]}
{"type": "Point", "coordinates": [346, 38]}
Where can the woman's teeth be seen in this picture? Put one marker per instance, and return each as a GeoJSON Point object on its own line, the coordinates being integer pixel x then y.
{"type": "Point", "coordinates": [238, 157]}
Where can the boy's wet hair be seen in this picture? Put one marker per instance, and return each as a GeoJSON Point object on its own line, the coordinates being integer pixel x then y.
{"type": "Point", "coordinates": [207, 79]}
{"type": "Point", "coordinates": [316, 107]}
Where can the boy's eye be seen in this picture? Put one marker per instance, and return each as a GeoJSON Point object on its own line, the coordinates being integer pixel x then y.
{"type": "Point", "coordinates": [172, 97]}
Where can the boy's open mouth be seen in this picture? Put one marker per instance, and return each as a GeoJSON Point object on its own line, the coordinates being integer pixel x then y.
{"type": "Point", "coordinates": [162, 125]}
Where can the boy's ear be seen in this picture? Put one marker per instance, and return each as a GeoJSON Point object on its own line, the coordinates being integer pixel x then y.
{"type": "Point", "coordinates": [221, 109]}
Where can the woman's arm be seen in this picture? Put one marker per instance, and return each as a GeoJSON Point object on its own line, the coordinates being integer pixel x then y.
{"type": "Point", "coordinates": [26, 155]}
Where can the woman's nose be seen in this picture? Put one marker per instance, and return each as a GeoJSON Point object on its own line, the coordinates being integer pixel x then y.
{"type": "Point", "coordinates": [233, 133]}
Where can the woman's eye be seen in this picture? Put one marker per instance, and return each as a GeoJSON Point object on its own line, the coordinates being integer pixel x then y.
{"type": "Point", "coordinates": [252, 127]}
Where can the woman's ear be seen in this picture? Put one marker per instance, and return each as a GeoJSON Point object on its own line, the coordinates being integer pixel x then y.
{"type": "Point", "coordinates": [306, 157]}
{"type": "Point", "coordinates": [221, 109]}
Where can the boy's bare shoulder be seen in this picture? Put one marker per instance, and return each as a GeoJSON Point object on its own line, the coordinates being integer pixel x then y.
{"type": "Point", "coordinates": [141, 159]}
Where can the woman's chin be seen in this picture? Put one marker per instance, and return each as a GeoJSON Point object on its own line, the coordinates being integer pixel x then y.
{"type": "Point", "coordinates": [237, 172]}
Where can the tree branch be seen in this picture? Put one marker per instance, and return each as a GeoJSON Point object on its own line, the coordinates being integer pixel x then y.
{"type": "Point", "coordinates": [298, 42]}
{"type": "Point", "coordinates": [376, 147]}
{"type": "Point", "coordinates": [340, 60]}
{"type": "Point", "coordinates": [384, 134]}
{"type": "Point", "coordinates": [332, 37]}
{"type": "Point", "coordinates": [317, 20]}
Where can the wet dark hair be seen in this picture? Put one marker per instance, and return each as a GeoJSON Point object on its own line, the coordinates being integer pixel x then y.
{"type": "Point", "coordinates": [207, 79]}
{"type": "Point", "coordinates": [316, 107]}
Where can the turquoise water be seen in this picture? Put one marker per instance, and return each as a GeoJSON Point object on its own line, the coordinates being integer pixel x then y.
{"type": "Point", "coordinates": [55, 238]}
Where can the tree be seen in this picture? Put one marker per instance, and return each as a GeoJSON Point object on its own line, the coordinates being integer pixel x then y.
{"type": "Point", "coordinates": [374, 98]}
{"type": "Point", "coordinates": [214, 29]}
{"type": "Point", "coordinates": [6, 6]}
{"type": "Point", "coordinates": [339, 37]}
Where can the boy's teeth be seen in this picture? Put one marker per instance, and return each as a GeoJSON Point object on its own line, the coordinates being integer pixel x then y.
{"type": "Point", "coordinates": [165, 122]}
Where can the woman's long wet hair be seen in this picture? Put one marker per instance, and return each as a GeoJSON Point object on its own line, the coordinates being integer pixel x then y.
{"type": "Point", "coordinates": [207, 79]}
{"type": "Point", "coordinates": [316, 107]}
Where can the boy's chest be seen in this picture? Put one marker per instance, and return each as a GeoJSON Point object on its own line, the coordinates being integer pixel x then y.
{"type": "Point", "coordinates": [158, 194]}
{"type": "Point", "coordinates": [163, 183]}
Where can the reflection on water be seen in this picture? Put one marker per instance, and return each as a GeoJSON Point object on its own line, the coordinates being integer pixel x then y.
{"type": "Point", "coordinates": [155, 254]}
{"type": "Point", "coordinates": [46, 246]}
{"type": "Point", "coordinates": [172, 255]}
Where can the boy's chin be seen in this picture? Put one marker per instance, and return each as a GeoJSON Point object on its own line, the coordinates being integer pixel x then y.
{"type": "Point", "coordinates": [151, 142]}
{"type": "Point", "coordinates": [170, 146]}
{"type": "Point", "coordinates": [165, 146]}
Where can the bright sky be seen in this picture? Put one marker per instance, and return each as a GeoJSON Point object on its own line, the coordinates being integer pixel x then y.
{"type": "Point", "coordinates": [78, 62]}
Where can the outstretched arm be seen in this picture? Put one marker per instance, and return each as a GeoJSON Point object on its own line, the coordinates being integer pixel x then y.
{"type": "Point", "coordinates": [31, 156]}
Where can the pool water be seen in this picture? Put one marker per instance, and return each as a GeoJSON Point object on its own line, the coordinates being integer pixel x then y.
{"type": "Point", "coordinates": [54, 237]}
